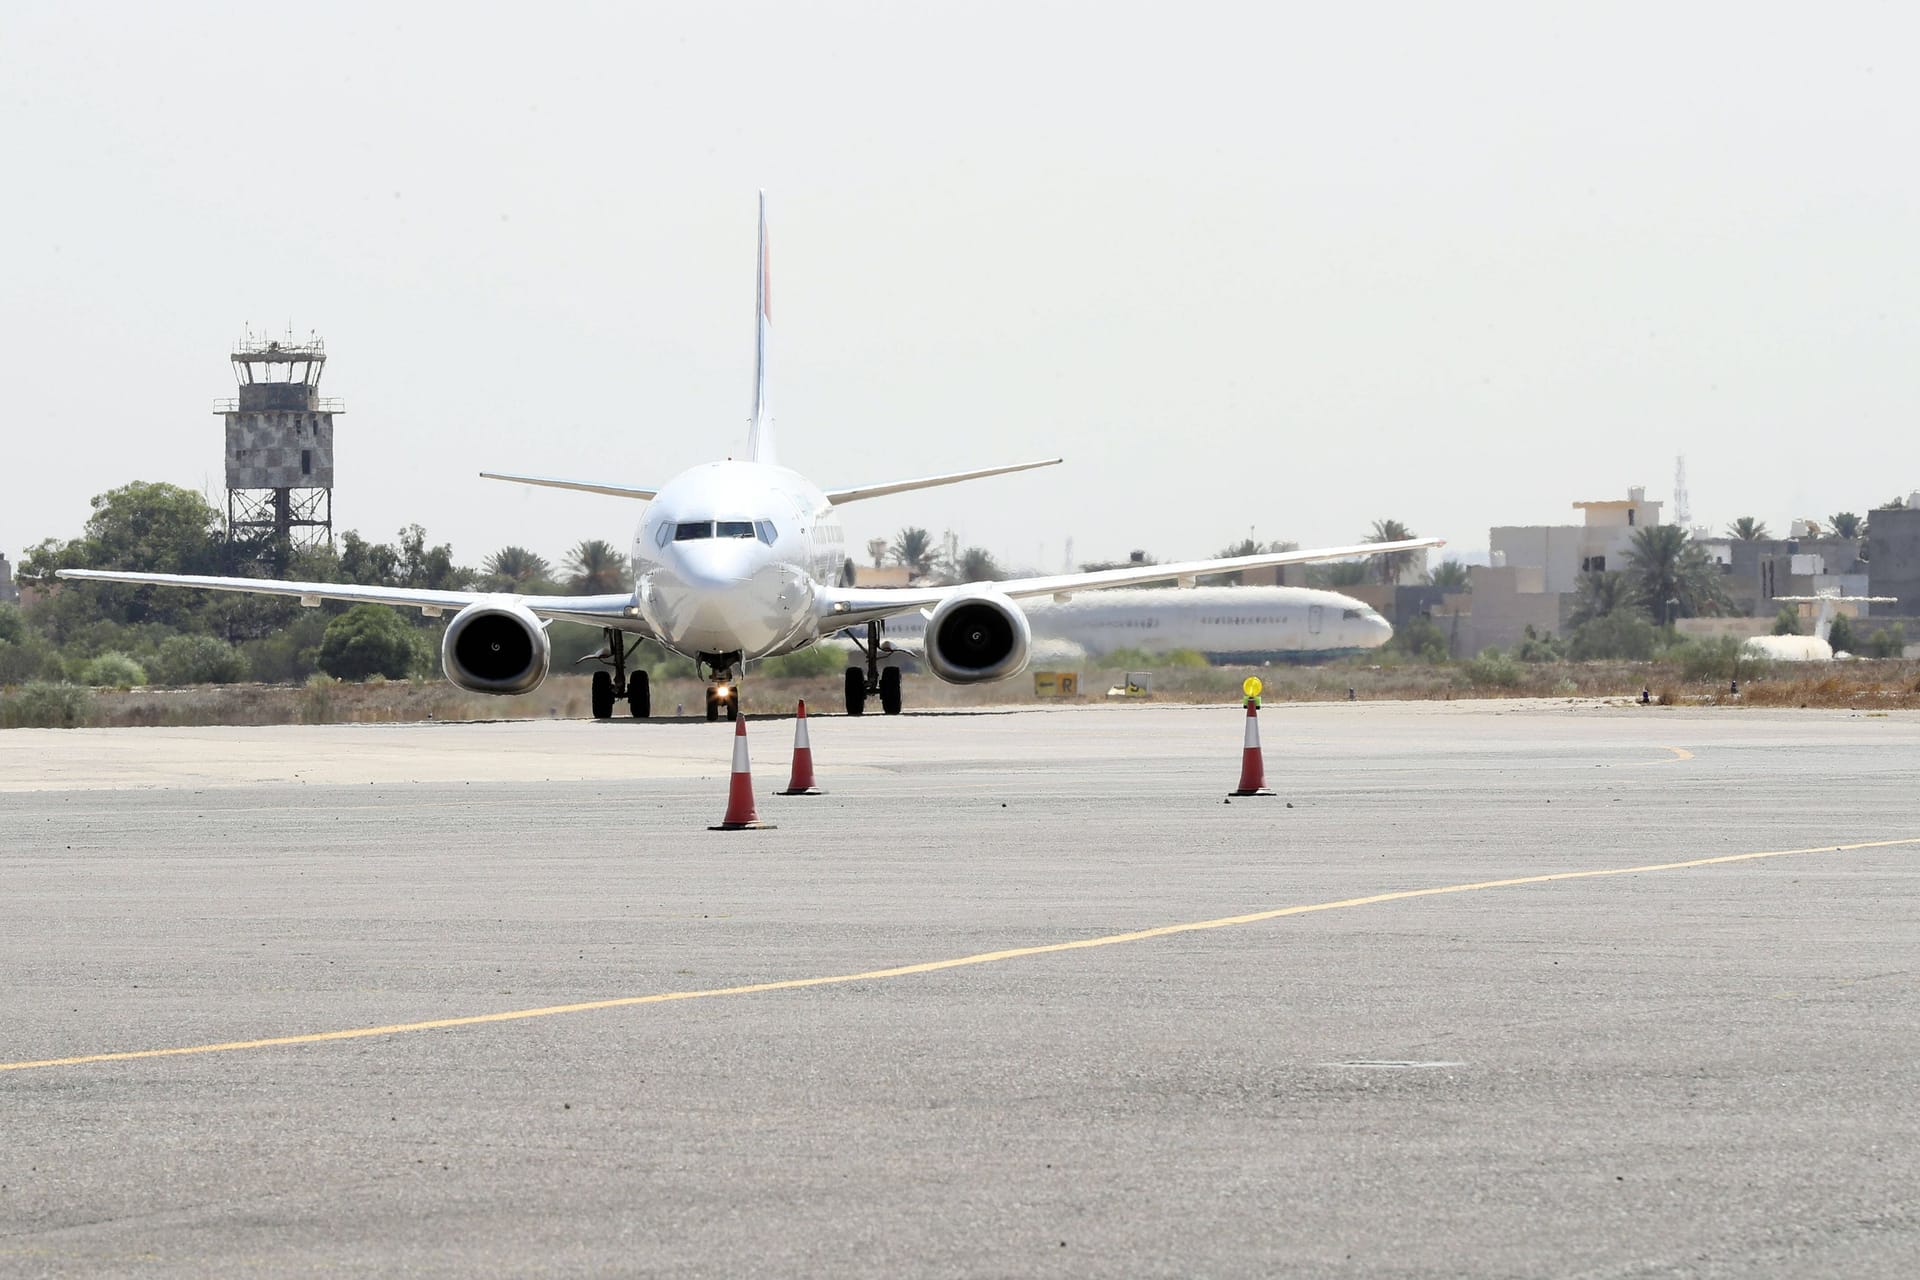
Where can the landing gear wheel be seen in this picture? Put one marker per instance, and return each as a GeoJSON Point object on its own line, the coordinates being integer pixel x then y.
{"type": "Point", "coordinates": [713, 704]}
{"type": "Point", "coordinates": [890, 691]}
{"type": "Point", "coordinates": [602, 695]}
{"type": "Point", "coordinates": [856, 691]}
{"type": "Point", "coordinates": [733, 703]}
{"type": "Point", "coordinates": [639, 696]}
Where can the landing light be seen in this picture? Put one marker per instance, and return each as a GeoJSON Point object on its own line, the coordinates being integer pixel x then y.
{"type": "Point", "coordinates": [720, 694]}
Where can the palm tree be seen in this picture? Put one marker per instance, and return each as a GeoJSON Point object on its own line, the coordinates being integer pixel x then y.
{"type": "Point", "coordinates": [913, 547]}
{"type": "Point", "coordinates": [1845, 524]}
{"type": "Point", "coordinates": [1392, 564]}
{"type": "Point", "coordinates": [597, 568]}
{"type": "Point", "coordinates": [517, 569]}
{"type": "Point", "coordinates": [977, 565]}
{"type": "Point", "coordinates": [1747, 529]}
{"type": "Point", "coordinates": [1598, 594]}
{"type": "Point", "coordinates": [1450, 575]}
{"type": "Point", "coordinates": [1339, 573]}
{"type": "Point", "coordinates": [1671, 575]}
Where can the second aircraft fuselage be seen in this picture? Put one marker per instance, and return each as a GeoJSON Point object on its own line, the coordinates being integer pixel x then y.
{"type": "Point", "coordinates": [727, 558]}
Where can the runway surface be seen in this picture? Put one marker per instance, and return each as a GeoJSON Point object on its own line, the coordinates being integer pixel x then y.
{"type": "Point", "coordinates": [1488, 989]}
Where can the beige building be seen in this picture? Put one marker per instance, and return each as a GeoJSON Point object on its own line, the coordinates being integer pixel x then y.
{"type": "Point", "coordinates": [1565, 551]}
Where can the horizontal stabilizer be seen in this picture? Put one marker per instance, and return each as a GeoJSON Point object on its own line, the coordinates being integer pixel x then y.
{"type": "Point", "coordinates": [838, 496]}
{"type": "Point", "coordinates": [584, 486]}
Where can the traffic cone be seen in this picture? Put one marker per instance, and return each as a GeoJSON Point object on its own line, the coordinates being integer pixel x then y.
{"type": "Point", "coordinates": [740, 814]}
{"type": "Point", "coordinates": [1253, 766]}
{"type": "Point", "coordinates": [801, 783]}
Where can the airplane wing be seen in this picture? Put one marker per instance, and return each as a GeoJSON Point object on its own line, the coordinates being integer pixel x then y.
{"type": "Point", "coordinates": [852, 606]}
{"type": "Point", "coordinates": [838, 496]}
{"type": "Point", "coordinates": [594, 611]}
{"type": "Point", "coordinates": [584, 486]}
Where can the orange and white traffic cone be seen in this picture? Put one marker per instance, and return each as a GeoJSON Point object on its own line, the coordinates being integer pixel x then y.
{"type": "Point", "coordinates": [1253, 765]}
{"type": "Point", "coordinates": [740, 814]}
{"type": "Point", "coordinates": [801, 783]}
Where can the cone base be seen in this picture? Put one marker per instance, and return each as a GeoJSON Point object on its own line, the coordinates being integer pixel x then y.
{"type": "Point", "coordinates": [755, 825]}
{"type": "Point", "coordinates": [801, 791]}
{"type": "Point", "coordinates": [1260, 791]}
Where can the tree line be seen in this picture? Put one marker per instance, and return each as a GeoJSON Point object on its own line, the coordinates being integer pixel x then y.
{"type": "Point", "coordinates": [99, 633]}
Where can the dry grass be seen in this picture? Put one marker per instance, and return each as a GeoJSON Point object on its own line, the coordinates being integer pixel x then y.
{"type": "Point", "coordinates": [1867, 684]}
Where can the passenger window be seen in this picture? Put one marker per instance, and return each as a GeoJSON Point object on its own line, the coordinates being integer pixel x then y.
{"type": "Point", "coordinates": [735, 529]}
{"type": "Point", "coordinates": [691, 530]}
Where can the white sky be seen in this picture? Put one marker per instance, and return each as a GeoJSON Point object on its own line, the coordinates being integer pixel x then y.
{"type": "Point", "coordinates": [1247, 267]}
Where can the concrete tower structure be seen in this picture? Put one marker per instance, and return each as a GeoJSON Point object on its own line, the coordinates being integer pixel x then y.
{"type": "Point", "coordinates": [279, 451]}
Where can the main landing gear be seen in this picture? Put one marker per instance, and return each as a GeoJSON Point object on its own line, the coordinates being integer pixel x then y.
{"type": "Point", "coordinates": [723, 685]}
{"type": "Point", "coordinates": [610, 687]}
{"type": "Point", "coordinates": [874, 679]}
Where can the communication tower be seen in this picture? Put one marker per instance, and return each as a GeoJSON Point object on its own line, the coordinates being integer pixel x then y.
{"type": "Point", "coordinates": [279, 450]}
{"type": "Point", "coordinates": [1682, 508]}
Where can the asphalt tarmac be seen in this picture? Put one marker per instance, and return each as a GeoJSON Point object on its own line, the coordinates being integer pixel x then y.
{"type": "Point", "coordinates": [1022, 995]}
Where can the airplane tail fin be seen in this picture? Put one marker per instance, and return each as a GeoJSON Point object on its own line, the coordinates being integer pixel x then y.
{"type": "Point", "coordinates": [760, 434]}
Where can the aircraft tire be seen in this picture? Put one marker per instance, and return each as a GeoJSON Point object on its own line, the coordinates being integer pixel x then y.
{"type": "Point", "coordinates": [713, 705]}
{"type": "Point", "coordinates": [856, 691]}
{"type": "Point", "coordinates": [733, 703]}
{"type": "Point", "coordinates": [890, 691]}
{"type": "Point", "coordinates": [602, 695]}
{"type": "Point", "coordinates": [639, 696]}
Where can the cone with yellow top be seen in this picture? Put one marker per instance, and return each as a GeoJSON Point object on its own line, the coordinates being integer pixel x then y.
{"type": "Point", "coordinates": [1253, 766]}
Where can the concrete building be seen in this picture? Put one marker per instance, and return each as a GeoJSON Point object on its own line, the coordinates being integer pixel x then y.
{"type": "Point", "coordinates": [1565, 551]}
{"type": "Point", "coordinates": [1893, 543]}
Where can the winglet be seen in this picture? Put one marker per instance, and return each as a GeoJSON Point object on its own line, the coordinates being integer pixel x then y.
{"type": "Point", "coordinates": [760, 434]}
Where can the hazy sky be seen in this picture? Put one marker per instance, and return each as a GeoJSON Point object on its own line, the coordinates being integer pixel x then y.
{"type": "Point", "coordinates": [1285, 270]}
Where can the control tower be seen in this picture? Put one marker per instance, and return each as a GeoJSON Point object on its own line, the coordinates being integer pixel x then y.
{"type": "Point", "coordinates": [279, 451]}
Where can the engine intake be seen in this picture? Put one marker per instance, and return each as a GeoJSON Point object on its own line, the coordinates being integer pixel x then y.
{"type": "Point", "coordinates": [976, 637]}
{"type": "Point", "coordinates": [496, 648]}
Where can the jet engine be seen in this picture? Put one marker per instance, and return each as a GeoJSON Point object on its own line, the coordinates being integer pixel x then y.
{"type": "Point", "coordinates": [496, 647]}
{"type": "Point", "coordinates": [977, 636]}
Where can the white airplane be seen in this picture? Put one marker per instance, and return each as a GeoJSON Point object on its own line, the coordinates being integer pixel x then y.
{"type": "Point", "coordinates": [735, 561]}
{"type": "Point", "coordinates": [1224, 624]}
{"type": "Point", "coordinates": [1813, 648]}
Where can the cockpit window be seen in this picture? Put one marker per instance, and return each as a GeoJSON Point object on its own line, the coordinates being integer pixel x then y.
{"type": "Point", "coordinates": [765, 529]}
{"type": "Point", "coordinates": [1350, 614]}
{"type": "Point", "coordinates": [688, 530]}
{"type": "Point", "coordinates": [735, 529]}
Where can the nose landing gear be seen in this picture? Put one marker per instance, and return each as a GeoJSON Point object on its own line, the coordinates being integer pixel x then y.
{"type": "Point", "coordinates": [723, 685]}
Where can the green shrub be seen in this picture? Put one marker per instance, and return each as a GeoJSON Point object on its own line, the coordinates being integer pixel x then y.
{"type": "Point", "coordinates": [197, 660]}
{"type": "Point", "coordinates": [366, 639]}
{"type": "Point", "coordinates": [1534, 647]}
{"type": "Point", "coordinates": [113, 670]}
{"type": "Point", "coordinates": [29, 658]}
{"type": "Point", "coordinates": [1723, 658]}
{"type": "Point", "coordinates": [44, 705]}
{"type": "Point", "coordinates": [1420, 640]}
{"type": "Point", "coordinates": [1787, 621]}
{"type": "Point", "coordinates": [1888, 642]}
{"type": "Point", "coordinates": [1624, 634]}
{"type": "Point", "coordinates": [1840, 636]}
{"type": "Point", "coordinates": [1493, 670]}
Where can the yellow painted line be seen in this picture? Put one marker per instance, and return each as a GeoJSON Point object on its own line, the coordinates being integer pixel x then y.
{"type": "Point", "coordinates": [1679, 753]}
{"type": "Point", "coordinates": [934, 966]}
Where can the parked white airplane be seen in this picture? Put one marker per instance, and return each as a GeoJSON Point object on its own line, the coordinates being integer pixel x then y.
{"type": "Point", "coordinates": [1813, 648]}
{"type": "Point", "coordinates": [1225, 624]}
{"type": "Point", "coordinates": [736, 561]}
